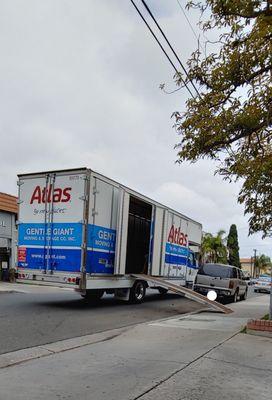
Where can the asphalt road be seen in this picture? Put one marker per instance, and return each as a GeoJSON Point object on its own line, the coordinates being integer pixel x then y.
{"type": "Point", "coordinates": [31, 319]}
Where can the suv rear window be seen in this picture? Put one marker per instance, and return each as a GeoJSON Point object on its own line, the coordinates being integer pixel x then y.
{"type": "Point", "coordinates": [217, 270]}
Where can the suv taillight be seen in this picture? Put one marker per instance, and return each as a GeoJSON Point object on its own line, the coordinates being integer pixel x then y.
{"type": "Point", "coordinates": [231, 284]}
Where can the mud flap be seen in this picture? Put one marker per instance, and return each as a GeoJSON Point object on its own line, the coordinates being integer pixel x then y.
{"type": "Point", "coordinates": [122, 294]}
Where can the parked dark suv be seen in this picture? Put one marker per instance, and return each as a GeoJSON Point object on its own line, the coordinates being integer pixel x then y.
{"type": "Point", "coordinates": [226, 280]}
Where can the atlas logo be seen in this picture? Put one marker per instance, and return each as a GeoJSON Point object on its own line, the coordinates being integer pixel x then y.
{"type": "Point", "coordinates": [177, 237]}
{"type": "Point", "coordinates": [49, 195]}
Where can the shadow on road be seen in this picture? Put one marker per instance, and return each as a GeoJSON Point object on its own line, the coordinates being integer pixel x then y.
{"type": "Point", "coordinates": [106, 302]}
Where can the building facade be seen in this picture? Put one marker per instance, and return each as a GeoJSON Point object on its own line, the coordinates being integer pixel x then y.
{"type": "Point", "coordinates": [8, 233]}
{"type": "Point", "coordinates": [247, 265]}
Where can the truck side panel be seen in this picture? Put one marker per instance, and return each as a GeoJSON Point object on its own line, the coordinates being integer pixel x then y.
{"type": "Point", "coordinates": [72, 225]}
{"type": "Point", "coordinates": [102, 225]}
{"type": "Point", "coordinates": [194, 233]}
{"type": "Point", "coordinates": [176, 247]}
{"type": "Point", "coordinates": [50, 222]}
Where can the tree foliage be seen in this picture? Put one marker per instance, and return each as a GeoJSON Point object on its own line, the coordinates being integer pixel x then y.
{"type": "Point", "coordinates": [213, 248]}
{"type": "Point", "coordinates": [262, 264]}
{"type": "Point", "coordinates": [231, 119]}
{"type": "Point", "coordinates": [233, 247]}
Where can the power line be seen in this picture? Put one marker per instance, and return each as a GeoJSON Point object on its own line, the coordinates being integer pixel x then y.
{"type": "Point", "coordinates": [169, 44]}
{"type": "Point", "coordinates": [161, 46]}
{"type": "Point", "coordinates": [191, 26]}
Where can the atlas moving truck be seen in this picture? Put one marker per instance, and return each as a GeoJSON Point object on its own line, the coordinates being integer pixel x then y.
{"type": "Point", "coordinates": [78, 228]}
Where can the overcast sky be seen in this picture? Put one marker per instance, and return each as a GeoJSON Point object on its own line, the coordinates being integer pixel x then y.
{"type": "Point", "coordinates": [79, 86]}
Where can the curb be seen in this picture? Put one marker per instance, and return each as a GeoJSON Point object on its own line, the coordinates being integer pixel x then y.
{"type": "Point", "coordinates": [20, 356]}
{"type": "Point", "coordinates": [259, 333]}
{"type": "Point", "coordinates": [32, 353]}
{"type": "Point", "coordinates": [11, 291]}
{"type": "Point", "coordinates": [35, 286]}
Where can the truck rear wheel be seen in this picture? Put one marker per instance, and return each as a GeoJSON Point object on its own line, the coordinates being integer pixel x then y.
{"type": "Point", "coordinates": [137, 292]}
{"type": "Point", "coordinates": [93, 294]}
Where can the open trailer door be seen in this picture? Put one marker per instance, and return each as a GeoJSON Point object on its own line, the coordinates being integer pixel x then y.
{"type": "Point", "coordinates": [157, 240]}
{"type": "Point", "coordinates": [121, 233]}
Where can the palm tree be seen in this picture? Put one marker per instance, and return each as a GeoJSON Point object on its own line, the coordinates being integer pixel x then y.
{"type": "Point", "coordinates": [220, 247]}
{"type": "Point", "coordinates": [206, 249]}
{"type": "Point", "coordinates": [262, 263]}
{"type": "Point", "coordinates": [213, 248]}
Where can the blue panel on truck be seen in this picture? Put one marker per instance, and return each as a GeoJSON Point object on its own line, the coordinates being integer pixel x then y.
{"type": "Point", "coordinates": [176, 250]}
{"type": "Point", "coordinates": [99, 262]}
{"type": "Point", "coordinates": [176, 260]}
{"type": "Point", "coordinates": [60, 259]}
{"type": "Point", "coordinates": [175, 254]}
{"type": "Point", "coordinates": [57, 234]}
{"type": "Point", "coordinates": [179, 255]}
{"type": "Point", "coordinates": [101, 249]}
{"type": "Point", "coordinates": [34, 239]}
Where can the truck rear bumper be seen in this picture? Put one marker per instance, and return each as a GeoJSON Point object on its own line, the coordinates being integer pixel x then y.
{"type": "Point", "coordinates": [37, 277]}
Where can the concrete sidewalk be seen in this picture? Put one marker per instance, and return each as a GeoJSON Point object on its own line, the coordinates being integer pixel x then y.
{"type": "Point", "coordinates": [6, 287]}
{"type": "Point", "coordinates": [17, 287]}
{"type": "Point", "coordinates": [189, 357]}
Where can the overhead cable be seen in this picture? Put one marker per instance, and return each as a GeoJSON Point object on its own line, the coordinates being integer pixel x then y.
{"type": "Point", "coordinates": [171, 47]}
{"type": "Point", "coordinates": [161, 46]}
{"type": "Point", "coordinates": [191, 26]}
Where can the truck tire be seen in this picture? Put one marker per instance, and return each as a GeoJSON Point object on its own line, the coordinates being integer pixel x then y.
{"type": "Point", "coordinates": [93, 294]}
{"type": "Point", "coordinates": [162, 290]}
{"type": "Point", "coordinates": [137, 292]}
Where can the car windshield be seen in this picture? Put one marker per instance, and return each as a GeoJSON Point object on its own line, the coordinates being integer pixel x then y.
{"type": "Point", "coordinates": [216, 270]}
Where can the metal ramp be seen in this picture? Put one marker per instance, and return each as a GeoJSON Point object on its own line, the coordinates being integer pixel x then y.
{"type": "Point", "coordinates": [190, 294]}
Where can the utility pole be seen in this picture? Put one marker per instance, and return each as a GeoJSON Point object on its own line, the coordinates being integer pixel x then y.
{"type": "Point", "coordinates": [255, 259]}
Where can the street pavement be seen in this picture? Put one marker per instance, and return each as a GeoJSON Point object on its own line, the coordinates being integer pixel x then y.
{"type": "Point", "coordinates": [40, 315]}
{"type": "Point", "coordinates": [190, 357]}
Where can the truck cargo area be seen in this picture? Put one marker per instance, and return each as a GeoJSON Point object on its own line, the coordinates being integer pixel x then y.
{"type": "Point", "coordinates": [138, 239]}
{"type": "Point", "coordinates": [80, 229]}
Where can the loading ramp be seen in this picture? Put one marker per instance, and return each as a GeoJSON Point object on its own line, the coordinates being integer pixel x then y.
{"type": "Point", "coordinates": [181, 290]}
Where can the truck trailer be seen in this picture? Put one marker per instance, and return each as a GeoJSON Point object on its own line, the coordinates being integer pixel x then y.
{"type": "Point", "coordinates": [78, 228]}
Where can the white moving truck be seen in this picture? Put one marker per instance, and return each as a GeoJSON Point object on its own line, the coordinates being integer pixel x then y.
{"type": "Point", "coordinates": [80, 229]}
